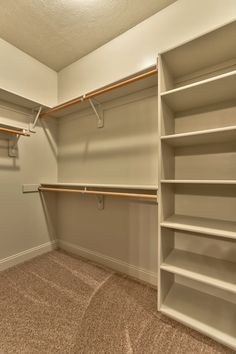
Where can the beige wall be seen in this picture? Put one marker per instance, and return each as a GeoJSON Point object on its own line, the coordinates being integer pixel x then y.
{"type": "Point", "coordinates": [22, 217]}
{"type": "Point", "coordinates": [25, 76]}
{"type": "Point", "coordinates": [138, 48]}
{"type": "Point", "coordinates": [123, 152]}
{"type": "Point", "coordinates": [124, 234]}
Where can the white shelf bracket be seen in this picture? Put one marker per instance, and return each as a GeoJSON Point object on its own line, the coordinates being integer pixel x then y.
{"type": "Point", "coordinates": [12, 146]}
{"type": "Point", "coordinates": [33, 125]}
{"type": "Point", "coordinates": [100, 199]}
{"type": "Point", "coordinates": [100, 202]}
{"type": "Point", "coordinates": [98, 112]}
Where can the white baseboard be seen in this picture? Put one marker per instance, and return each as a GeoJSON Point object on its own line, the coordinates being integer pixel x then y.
{"type": "Point", "coordinates": [116, 264]}
{"type": "Point", "coordinates": [27, 255]}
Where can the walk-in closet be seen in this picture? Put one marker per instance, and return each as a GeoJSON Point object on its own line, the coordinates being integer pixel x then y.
{"type": "Point", "coordinates": [118, 177]}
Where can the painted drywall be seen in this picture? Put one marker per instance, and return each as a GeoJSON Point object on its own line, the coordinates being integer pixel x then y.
{"type": "Point", "coordinates": [123, 152]}
{"type": "Point", "coordinates": [27, 224]}
{"type": "Point", "coordinates": [124, 234]}
{"type": "Point", "coordinates": [138, 48]}
{"type": "Point", "coordinates": [25, 76]}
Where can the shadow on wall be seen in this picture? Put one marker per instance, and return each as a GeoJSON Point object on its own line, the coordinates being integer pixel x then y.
{"type": "Point", "coordinates": [49, 204]}
{"type": "Point", "coordinates": [123, 234]}
{"type": "Point", "coordinates": [50, 135]}
{"type": "Point", "coordinates": [123, 151]}
{"type": "Point", "coordinates": [7, 163]}
{"type": "Point", "coordinates": [127, 131]}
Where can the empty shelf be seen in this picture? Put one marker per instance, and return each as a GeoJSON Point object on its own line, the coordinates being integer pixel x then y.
{"type": "Point", "coordinates": [199, 181]}
{"type": "Point", "coordinates": [193, 57]}
{"type": "Point", "coordinates": [207, 314]}
{"type": "Point", "coordinates": [209, 136]}
{"type": "Point", "coordinates": [209, 270]}
{"type": "Point", "coordinates": [129, 85]}
{"type": "Point", "coordinates": [206, 92]}
{"type": "Point", "coordinates": [201, 225]}
{"type": "Point", "coordinates": [18, 100]}
{"type": "Point", "coordinates": [100, 185]}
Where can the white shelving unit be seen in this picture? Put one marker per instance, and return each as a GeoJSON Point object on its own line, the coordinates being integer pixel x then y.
{"type": "Point", "coordinates": [199, 181]}
{"type": "Point", "coordinates": [197, 184]}
{"type": "Point", "coordinates": [209, 136]}
{"type": "Point", "coordinates": [209, 270]}
{"type": "Point", "coordinates": [204, 93]}
{"type": "Point", "coordinates": [201, 225]}
{"type": "Point", "coordinates": [207, 314]}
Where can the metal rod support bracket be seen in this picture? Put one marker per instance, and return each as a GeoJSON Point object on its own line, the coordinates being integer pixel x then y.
{"type": "Point", "coordinates": [100, 202]}
{"type": "Point", "coordinates": [98, 112]}
{"type": "Point", "coordinates": [12, 146]}
{"type": "Point", "coordinates": [34, 123]}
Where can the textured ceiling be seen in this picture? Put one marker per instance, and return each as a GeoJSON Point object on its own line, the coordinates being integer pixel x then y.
{"type": "Point", "coordinates": [58, 32]}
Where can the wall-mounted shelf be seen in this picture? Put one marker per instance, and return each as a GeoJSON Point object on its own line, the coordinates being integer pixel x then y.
{"type": "Point", "coordinates": [201, 225]}
{"type": "Point", "coordinates": [216, 272]}
{"type": "Point", "coordinates": [135, 83]}
{"type": "Point", "coordinates": [20, 101]}
{"type": "Point", "coordinates": [102, 185]}
{"type": "Point", "coordinates": [125, 191]}
{"type": "Point", "coordinates": [10, 101]}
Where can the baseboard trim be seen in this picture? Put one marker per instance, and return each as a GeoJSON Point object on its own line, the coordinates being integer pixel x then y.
{"type": "Point", "coordinates": [27, 255]}
{"type": "Point", "coordinates": [116, 264]}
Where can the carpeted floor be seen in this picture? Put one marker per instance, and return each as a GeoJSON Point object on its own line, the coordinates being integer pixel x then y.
{"type": "Point", "coordinates": [62, 304]}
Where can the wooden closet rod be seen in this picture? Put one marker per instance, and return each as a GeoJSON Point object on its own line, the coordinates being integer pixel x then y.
{"type": "Point", "coordinates": [13, 131]}
{"type": "Point", "coordinates": [99, 92]}
{"type": "Point", "coordinates": [115, 194]}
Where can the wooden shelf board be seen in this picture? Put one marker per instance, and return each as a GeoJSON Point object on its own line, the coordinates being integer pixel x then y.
{"type": "Point", "coordinates": [199, 181]}
{"type": "Point", "coordinates": [216, 272]}
{"type": "Point", "coordinates": [208, 136]}
{"type": "Point", "coordinates": [202, 93]}
{"type": "Point", "coordinates": [205, 313]}
{"type": "Point", "coordinates": [201, 225]}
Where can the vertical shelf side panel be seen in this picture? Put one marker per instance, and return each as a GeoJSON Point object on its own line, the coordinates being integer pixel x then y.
{"type": "Point", "coordinates": [160, 216]}
{"type": "Point", "coordinates": [165, 166]}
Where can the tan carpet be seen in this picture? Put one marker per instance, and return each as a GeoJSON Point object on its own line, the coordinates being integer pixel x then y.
{"type": "Point", "coordinates": [62, 304]}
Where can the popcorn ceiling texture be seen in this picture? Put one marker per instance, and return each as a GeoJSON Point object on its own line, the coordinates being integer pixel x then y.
{"type": "Point", "coordinates": [58, 32]}
{"type": "Point", "coordinates": [57, 303]}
